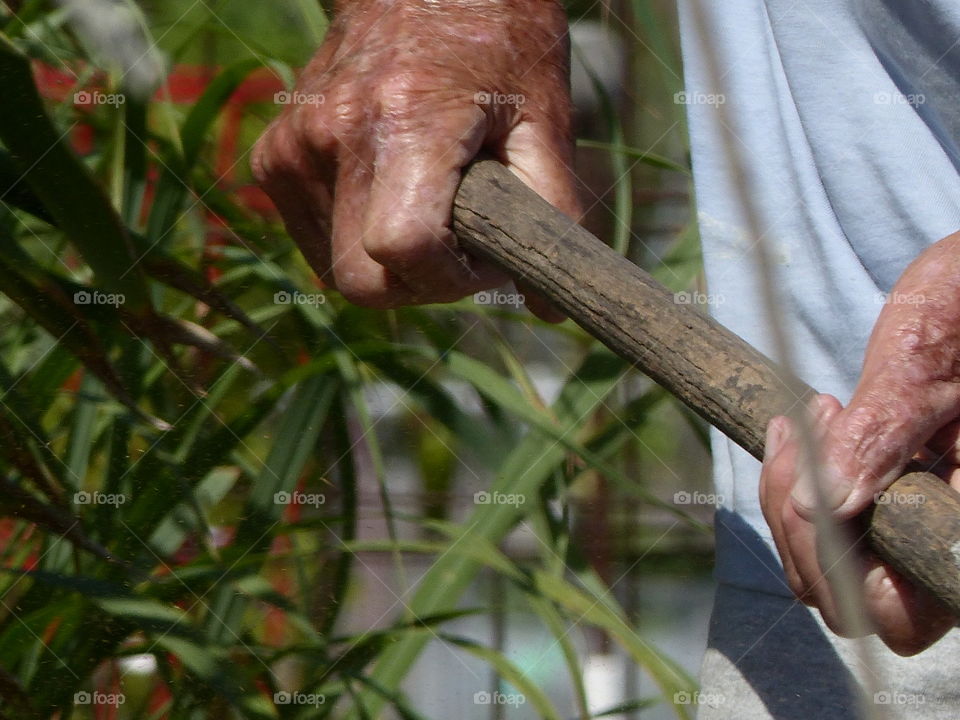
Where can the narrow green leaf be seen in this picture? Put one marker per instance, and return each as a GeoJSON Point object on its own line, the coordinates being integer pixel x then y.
{"type": "Point", "coordinates": [62, 183]}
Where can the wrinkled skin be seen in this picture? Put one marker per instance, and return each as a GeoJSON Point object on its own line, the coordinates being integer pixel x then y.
{"type": "Point", "coordinates": [365, 181]}
{"type": "Point", "coordinates": [906, 404]}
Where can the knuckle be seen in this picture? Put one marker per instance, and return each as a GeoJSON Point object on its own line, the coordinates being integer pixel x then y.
{"type": "Point", "coordinates": [402, 241]}
{"type": "Point", "coordinates": [258, 163]}
{"type": "Point", "coordinates": [343, 110]}
{"type": "Point", "coordinates": [318, 133]}
{"type": "Point", "coordinates": [321, 128]}
{"type": "Point", "coordinates": [262, 160]}
{"type": "Point", "coordinates": [276, 155]}
{"type": "Point", "coordinates": [397, 236]}
{"type": "Point", "coordinates": [399, 97]}
{"type": "Point", "coordinates": [361, 290]}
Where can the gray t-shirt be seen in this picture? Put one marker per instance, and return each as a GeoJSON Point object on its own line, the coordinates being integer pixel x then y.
{"type": "Point", "coordinates": [846, 114]}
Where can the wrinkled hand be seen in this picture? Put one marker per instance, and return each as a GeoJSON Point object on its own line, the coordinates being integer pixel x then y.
{"type": "Point", "coordinates": [365, 162]}
{"type": "Point", "coordinates": [906, 405]}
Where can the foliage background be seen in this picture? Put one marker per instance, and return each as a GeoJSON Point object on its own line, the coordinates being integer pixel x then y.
{"type": "Point", "coordinates": [146, 552]}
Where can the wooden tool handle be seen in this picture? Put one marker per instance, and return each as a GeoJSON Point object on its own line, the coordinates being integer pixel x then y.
{"type": "Point", "coordinates": [712, 370]}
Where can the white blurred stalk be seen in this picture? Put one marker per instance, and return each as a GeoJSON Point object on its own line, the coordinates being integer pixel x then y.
{"type": "Point", "coordinates": [114, 33]}
{"type": "Point", "coordinates": [834, 552]}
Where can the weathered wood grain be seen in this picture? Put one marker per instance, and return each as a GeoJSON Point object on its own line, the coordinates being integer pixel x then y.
{"type": "Point", "coordinates": [712, 370]}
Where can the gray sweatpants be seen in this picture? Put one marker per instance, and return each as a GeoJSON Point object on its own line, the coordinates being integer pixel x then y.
{"type": "Point", "coordinates": [770, 656]}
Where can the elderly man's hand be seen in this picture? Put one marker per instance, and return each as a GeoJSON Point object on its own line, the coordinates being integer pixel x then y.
{"type": "Point", "coordinates": [365, 162]}
{"type": "Point", "coordinates": [906, 405]}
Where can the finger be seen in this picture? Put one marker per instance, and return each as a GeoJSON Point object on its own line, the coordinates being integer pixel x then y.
{"type": "Point", "coordinates": [283, 173]}
{"type": "Point", "coordinates": [540, 153]}
{"type": "Point", "coordinates": [358, 277]}
{"type": "Point", "coordinates": [781, 467]}
{"type": "Point", "coordinates": [800, 536]}
{"type": "Point", "coordinates": [539, 305]}
{"type": "Point", "coordinates": [320, 138]}
{"type": "Point", "coordinates": [908, 619]}
{"type": "Point", "coordinates": [775, 483]}
{"type": "Point", "coordinates": [905, 617]}
{"type": "Point", "coordinates": [407, 223]}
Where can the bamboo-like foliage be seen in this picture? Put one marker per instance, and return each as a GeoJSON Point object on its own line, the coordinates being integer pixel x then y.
{"type": "Point", "coordinates": [156, 400]}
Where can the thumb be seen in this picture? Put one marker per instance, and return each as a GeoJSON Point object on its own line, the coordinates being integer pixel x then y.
{"type": "Point", "coordinates": [540, 153]}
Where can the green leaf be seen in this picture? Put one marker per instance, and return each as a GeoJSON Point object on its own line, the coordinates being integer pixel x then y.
{"type": "Point", "coordinates": [530, 464]}
{"type": "Point", "coordinates": [597, 610]}
{"type": "Point", "coordinates": [510, 672]}
{"type": "Point", "coordinates": [62, 183]}
{"type": "Point", "coordinates": [172, 188]}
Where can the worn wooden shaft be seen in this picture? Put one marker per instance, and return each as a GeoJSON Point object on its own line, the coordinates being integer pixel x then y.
{"type": "Point", "coordinates": [713, 371]}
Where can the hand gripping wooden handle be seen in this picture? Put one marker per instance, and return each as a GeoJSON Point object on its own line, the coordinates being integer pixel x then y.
{"type": "Point", "coordinates": [715, 372]}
